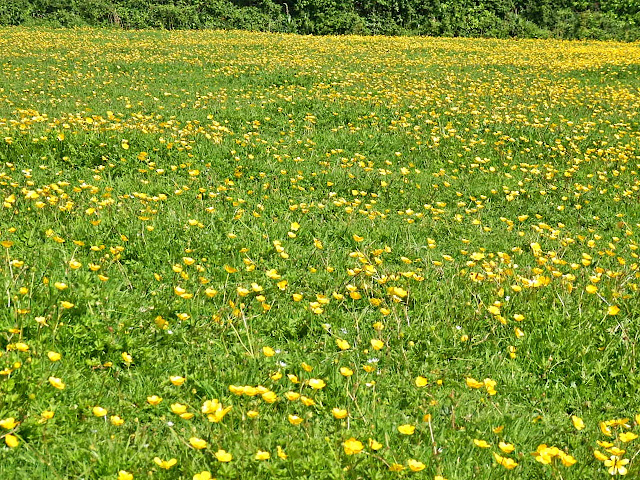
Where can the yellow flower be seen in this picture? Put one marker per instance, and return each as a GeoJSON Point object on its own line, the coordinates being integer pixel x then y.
{"type": "Point", "coordinates": [415, 465]}
{"type": "Point", "coordinates": [154, 400]}
{"type": "Point", "coordinates": [352, 446]}
{"type": "Point", "coordinates": [627, 437]}
{"type": "Point", "coordinates": [56, 383]}
{"type": "Point", "coordinates": [481, 443]}
{"type": "Point", "coordinates": [490, 386]}
{"type": "Point", "coordinates": [99, 411]}
{"type": "Point", "coordinates": [124, 475]}
{"type": "Point", "coordinates": [198, 443]}
{"type": "Point", "coordinates": [421, 382]}
{"type": "Point", "coordinates": [8, 423]}
{"type": "Point", "coordinates": [178, 408]}
{"type": "Point", "coordinates": [567, 460]}
{"type": "Point", "coordinates": [177, 380]}
{"type": "Point", "coordinates": [262, 455]}
{"type": "Point", "coordinates": [342, 344]}
{"type": "Point", "coordinates": [60, 286]}
{"type": "Point", "coordinates": [613, 310]}
{"type": "Point", "coordinates": [116, 420]}
{"type": "Point", "coordinates": [295, 420]}
{"type": "Point", "coordinates": [507, 463]}
{"type": "Point", "coordinates": [165, 464]}
{"type": "Point", "coordinates": [506, 447]}
{"type": "Point", "coordinates": [252, 414]}
{"type": "Point", "coordinates": [54, 356]}
{"type": "Point", "coordinates": [346, 371]}
{"type": "Point", "coordinates": [269, 397]}
{"type": "Point", "coordinates": [616, 465]}
{"type": "Point", "coordinates": [126, 358]}
{"type": "Point", "coordinates": [66, 305]}
{"type": "Point", "coordinates": [47, 415]}
{"type": "Point", "coordinates": [339, 413]}
{"type": "Point", "coordinates": [281, 453]}
{"type": "Point", "coordinates": [374, 445]}
{"type": "Point", "coordinates": [223, 456]}
{"type": "Point", "coordinates": [473, 383]}
{"type": "Point", "coordinates": [396, 467]}
{"type": "Point", "coordinates": [11, 441]}
{"type": "Point", "coordinates": [577, 422]}
{"type": "Point", "coordinates": [306, 401]}
{"type": "Point", "coordinates": [204, 475]}
{"type": "Point", "coordinates": [407, 429]}
{"type": "Point", "coordinates": [377, 344]}
{"type": "Point", "coordinates": [600, 456]}
{"type": "Point", "coordinates": [317, 384]}
{"type": "Point", "coordinates": [292, 396]}
{"type": "Point", "coordinates": [268, 351]}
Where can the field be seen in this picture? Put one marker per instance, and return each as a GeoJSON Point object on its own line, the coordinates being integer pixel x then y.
{"type": "Point", "coordinates": [243, 255]}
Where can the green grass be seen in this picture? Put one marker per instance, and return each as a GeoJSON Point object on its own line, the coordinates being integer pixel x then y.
{"type": "Point", "coordinates": [432, 166]}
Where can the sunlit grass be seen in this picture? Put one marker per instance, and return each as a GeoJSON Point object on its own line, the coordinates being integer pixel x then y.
{"type": "Point", "coordinates": [241, 255]}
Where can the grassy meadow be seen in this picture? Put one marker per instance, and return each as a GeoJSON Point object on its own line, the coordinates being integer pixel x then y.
{"type": "Point", "coordinates": [242, 255]}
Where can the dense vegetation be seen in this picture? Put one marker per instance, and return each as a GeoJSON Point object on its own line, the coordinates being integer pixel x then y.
{"type": "Point", "coordinates": [270, 256]}
{"type": "Point", "coordinates": [605, 19]}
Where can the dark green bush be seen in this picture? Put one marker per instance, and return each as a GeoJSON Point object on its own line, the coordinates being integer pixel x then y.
{"type": "Point", "coordinates": [582, 19]}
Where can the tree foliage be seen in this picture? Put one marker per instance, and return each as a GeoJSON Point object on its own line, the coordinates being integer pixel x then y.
{"type": "Point", "coordinates": [598, 19]}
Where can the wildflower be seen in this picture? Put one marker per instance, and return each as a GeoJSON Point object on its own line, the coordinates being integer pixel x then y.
{"type": "Point", "coordinates": [223, 456]}
{"type": "Point", "coordinates": [54, 356]}
{"type": "Point", "coordinates": [396, 467]}
{"type": "Point", "coordinates": [473, 383]}
{"type": "Point", "coordinates": [262, 455]}
{"type": "Point", "coordinates": [342, 344]}
{"type": "Point", "coordinates": [480, 443]}
{"type": "Point", "coordinates": [177, 380]}
{"type": "Point", "coordinates": [165, 464]}
{"type": "Point", "coordinates": [627, 437]}
{"type": "Point", "coordinates": [506, 462]}
{"type": "Point", "coordinates": [317, 384]}
{"type": "Point", "coordinates": [8, 423]}
{"type": "Point", "coordinates": [339, 413]}
{"type": "Point", "coordinates": [415, 465]}
{"type": "Point", "coordinates": [116, 420]}
{"type": "Point", "coordinates": [124, 475]}
{"type": "Point", "coordinates": [346, 371]}
{"type": "Point", "coordinates": [506, 447]}
{"type": "Point", "coordinates": [616, 465]}
{"type": "Point", "coordinates": [99, 411]}
{"type": "Point", "coordinates": [198, 443]}
{"type": "Point", "coordinates": [268, 351]}
{"type": "Point", "coordinates": [377, 344]}
{"type": "Point", "coordinates": [407, 429]}
{"type": "Point", "coordinates": [294, 419]}
{"type": "Point", "coordinates": [126, 358]}
{"type": "Point", "coordinates": [11, 441]}
{"type": "Point", "coordinates": [421, 382]}
{"type": "Point", "coordinates": [56, 383]}
{"type": "Point", "coordinates": [281, 453]}
{"type": "Point", "coordinates": [613, 310]}
{"type": "Point", "coordinates": [352, 446]}
{"type": "Point", "coordinates": [154, 400]}
{"type": "Point", "coordinates": [204, 475]}
{"type": "Point", "coordinates": [577, 422]}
